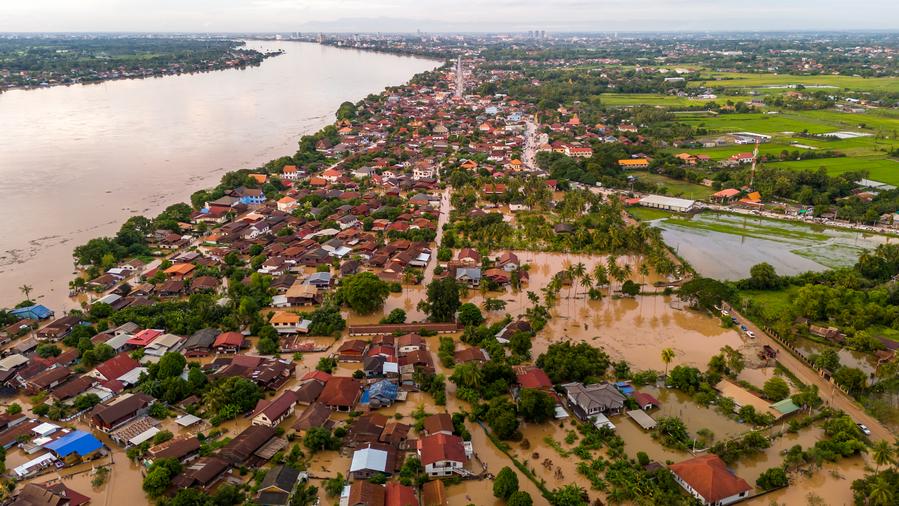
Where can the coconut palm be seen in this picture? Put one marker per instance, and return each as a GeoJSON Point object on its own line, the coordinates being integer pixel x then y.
{"type": "Point", "coordinates": [883, 453]}
{"type": "Point", "coordinates": [644, 271]}
{"type": "Point", "coordinates": [667, 357]}
{"type": "Point", "coordinates": [881, 494]}
{"type": "Point", "coordinates": [26, 290]}
{"type": "Point", "coordinates": [601, 275]}
{"type": "Point", "coordinates": [586, 282]}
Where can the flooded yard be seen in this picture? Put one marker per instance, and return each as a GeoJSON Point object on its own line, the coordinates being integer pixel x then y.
{"type": "Point", "coordinates": [725, 246]}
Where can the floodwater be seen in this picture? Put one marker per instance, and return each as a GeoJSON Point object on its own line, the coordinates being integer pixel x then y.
{"type": "Point", "coordinates": [76, 162]}
{"type": "Point", "coordinates": [849, 358]}
{"type": "Point", "coordinates": [726, 246]}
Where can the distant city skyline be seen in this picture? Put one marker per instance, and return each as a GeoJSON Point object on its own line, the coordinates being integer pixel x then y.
{"type": "Point", "coordinates": [443, 16]}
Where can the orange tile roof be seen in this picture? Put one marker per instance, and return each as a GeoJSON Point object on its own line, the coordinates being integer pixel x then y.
{"type": "Point", "coordinates": [710, 477]}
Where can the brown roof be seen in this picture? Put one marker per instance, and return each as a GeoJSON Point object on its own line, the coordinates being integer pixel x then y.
{"type": "Point", "coordinates": [110, 414]}
{"type": "Point", "coordinates": [363, 493]}
{"type": "Point", "coordinates": [441, 422]}
{"type": "Point", "coordinates": [72, 388]}
{"type": "Point", "coordinates": [175, 448]}
{"type": "Point", "coordinates": [710, 477]}
{"type": "Point", "coordinates": [308, 392]}
{"type": "Point", "coordinates": [340, 391]}
{"type": "Point", "coordinates": [433, 493]}
{"type": "Point", "coordinates": [246, 443]}
{"type": "Point", "coordinates": [314, 416]}
{"type": "Point", "coordinates": [49, 376]}
{"type": "Point", "coordinates": [439, 447]}
{"type": "Point", "coordinates": [43, 494]}
{"type": "Point", "coordinates": [277, 408]}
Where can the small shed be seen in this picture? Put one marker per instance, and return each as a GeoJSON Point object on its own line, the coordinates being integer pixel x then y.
{"type": "Point", "coordinates": [602, 420]}
{"type": "Point", "coordinates": [642, 419]}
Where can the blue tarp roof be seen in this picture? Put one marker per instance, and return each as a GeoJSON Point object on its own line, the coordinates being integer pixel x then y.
{"type": "Point", "coordinates": [80, 442]}
{"type": "Point", "coordinates": [384, 389]}
{"type": "Point", "coordinates": [35, 312]}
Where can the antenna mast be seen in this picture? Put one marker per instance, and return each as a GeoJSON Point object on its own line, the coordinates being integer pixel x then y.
{"type": "Point", "coordinates": [755, 157]}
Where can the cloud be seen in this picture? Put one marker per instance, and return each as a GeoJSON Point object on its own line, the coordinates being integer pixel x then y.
{"type": "Point", "coordinates": [443, 15]}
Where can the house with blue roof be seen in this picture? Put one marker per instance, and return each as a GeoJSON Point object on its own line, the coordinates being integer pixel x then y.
{"type": "Point", "coordinates": [35, 312]}
{"type": "Point", "coordinates": [380, 394]}
{"type": "Point", "coordinates": [75, 447]}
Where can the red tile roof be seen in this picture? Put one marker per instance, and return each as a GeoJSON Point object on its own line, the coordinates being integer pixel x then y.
{"type": "Point", "coordinates": [400, 495]}
{"type": "Point", "coordinates": [229, 339]}
{"type": "Point", "coordinates": [535, 378]}
{"type": "Point", "coordinates": [117, 366]}
{"type": "Point", "coordinates": [144, 337]}
{"type": "Point", "coordinates": [341, 392]}
{"type": "Point", "coordinates": [710, 477]}
{"type": "Point", "coordinates": [438, 447]}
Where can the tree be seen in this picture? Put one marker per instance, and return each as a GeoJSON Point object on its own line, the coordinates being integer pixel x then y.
{"type": "Point", "coordinates": [881, 493]}
{"type": "Point", "coordinates": [564, 362]}
{"type": "Point", "coordinates": [882, 453]}
{"type": "Point", "coordinates": [396, 316]}
{"type": "Point", "coordinates": [776, 389]}
{"type": "Point", "coordinates": [326, 321]}
{"type": "Point", "coordinates": [234, 391]}
{"type": "Point", "coordinates": [851, 379]}
{"type": "Point", "coordinates": [505, 483]}
{"type": "Point", "coordinates": [773, 478]}
{"type": "Point", "coordinates": [686, 379]}
{"type": "Point", "coordinates": [326, 364]}
{"type": "Point", "coordinates": [491, 304]}
{"type": "Point", "coordinates": [630, 288]}
{"type": "Point", "coordinates": [319, 438]}
{"type": "Point", "coordinates": [470, 315]}
{"type": "Point", "coordinates": [267, 346]}
{"type": "Point", "coordinates": [569, 495]}
{"type": "Point", "coordinates": [763, 277]}
{"type": "Point", "coordinates": [364, 293]}
{"type": "Point", "coordinates": [536, 405]}
{"type": "Point", "coordinates": [171, 365]}
{"type": "Point", "coordinates": [706, 293]}
{"type": "Point", "coordinates": [13, 409]}
{"type": "Point", "coordinates": [501, 418]}
{"type": "Point", "coordinates": [520, 498]}
{"type": "Point", "coordinates": [160, 475]}
{"type": "Point", "coordinates": [86, 401]}
{"type": "Point", "coordinates": [47, 350]}
{"type": "Point", "coordinates": [334, 486]}
{"type": "Point", "coordinates": [26, 291]}
{"type": "Point", "coordinates": [442, 300]}
{"type": "Point", "coordinates": [667, 357]}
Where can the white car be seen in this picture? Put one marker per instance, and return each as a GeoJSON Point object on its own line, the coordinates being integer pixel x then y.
{"type": "Point", "coordinates": [724, 312]}
{"type": "Point", "coordinates": [864, 428]}
{"type": "Point", "coordinates": [751, 334]}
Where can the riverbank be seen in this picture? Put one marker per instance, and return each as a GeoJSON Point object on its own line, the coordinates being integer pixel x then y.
{"type": "Point", "coordinates": [132, 147]}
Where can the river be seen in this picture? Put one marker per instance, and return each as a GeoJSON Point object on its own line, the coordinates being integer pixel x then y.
{"type": "Point", "coordinates": [76, 162]}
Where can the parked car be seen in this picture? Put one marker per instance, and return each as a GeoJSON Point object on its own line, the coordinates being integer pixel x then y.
{"type": "Point", "coordinates": [864, 428]}
{"type": "Point", "coordinates": [725, 312]}
{"type": "Point", "coordinates": [751, 334]}
{"type": "Point", "coordinates": [744, 328]}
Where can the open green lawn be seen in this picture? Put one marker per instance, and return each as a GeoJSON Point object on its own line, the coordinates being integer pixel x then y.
{"type": "Point", "coordinates": [759, 123]}
{"type": "Point", "coordinates": [735, 79]}
{"type": "Point", "coordinates": [626, 99]}
{"type": "Point", "coordinates": [676, 188]}
{"type": "Point", "coordinates": [879, 169]}
{"type": "Point", "coordinates": [720, 153]}
{"type": "Point", "coordinates": [774, 301]}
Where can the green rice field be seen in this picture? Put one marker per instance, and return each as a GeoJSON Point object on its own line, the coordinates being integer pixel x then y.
{"type": "Point", "coordinates": [734, 79]}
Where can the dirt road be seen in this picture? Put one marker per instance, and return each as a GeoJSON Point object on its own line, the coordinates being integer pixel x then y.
{"type": "Point", "coordinates": [828, 392]}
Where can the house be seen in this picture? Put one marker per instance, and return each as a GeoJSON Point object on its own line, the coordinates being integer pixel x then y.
{"type": "Point", "coordinates": [316, 415]}
{"type": "Point", "coordinates": [634, 163]}
{"type": "Point", "coordinates": [202, 473]}
{"type": "Point", "coordinates": [534, 378]}
{"type": "Point", "coordinates": [107, 417]}
{"type": "Point", "coordinates": [181, 448]}
{"type": "Point", "coordinates": [341, 393]}
{"type": "Point", "coordinates": [433, 493]}
{"type": "Point", "coordinates": [441, 455]}
{"type": "Point", "coordinates": [508, 262]}
{"type": "Point", "coordinates": [469, 256]}
{"type": "Point", "coordinates": [34, 312]}
{"type": "Point", "coordinates": [725, 196]}
{"type": "Point", "coordinates": [277, 486]}
{"type": "Point", "coordinates": [162, 345]}
{"type": "Point", "coordinates": [285, 322]}
{"type": "Point", "coordinates": [364, 493]}
{"type": "Point", "coordinates": [380, 394]}
{"type": "Point", "coordinates": [245, 444]}
{"type": "Point", "coordinates": [668, 203]}
{"type": "Point", "coordinates": [48, 494]}
{"type": "Point", "coordinates": [75, 447]}
{"type": "Point", "coordinates": [589, 401]}
{"type": "Point", "coordinates": [646, 401]}
{"type": "Point", "coordinates": [115, 368]}
{"type": "Point", "coordinates": [441, 423]}
{"type": "Point", "coordinates": [229, 342]}
{"type": "Point", "coordinates": [470, 276]}
{"type": "Point", "coordinates": [287, 204]}
{"type": "Point", "coordinates": [200, 342]}
{"type": "Point", "coordinates": [408, 343]}
{"type": "Point", "coordinates": [372, 459]}
{"type": "Point", "coordinates": [708, 479]}
{"type": "Point", "coordinates": [352, 350]}
{"type": "Point", "coordinates": [398, 494]}
{"type": "Point", "coordinates": [471, 355]}
{"type": "Point", "coordinates": [47, 379]}
{"type": "Point", "coordinates": [271, 413]}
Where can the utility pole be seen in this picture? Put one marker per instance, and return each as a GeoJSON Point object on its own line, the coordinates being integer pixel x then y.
{"type": "Point", "coordinates": [755, 157]}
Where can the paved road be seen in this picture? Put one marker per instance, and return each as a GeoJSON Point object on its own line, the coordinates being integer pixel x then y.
{"type": "Point", "coordinates": [445, 207]}
{"type": "Point", "coordinates": [830, 394]}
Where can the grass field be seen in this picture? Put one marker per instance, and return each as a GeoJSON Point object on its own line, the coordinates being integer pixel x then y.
{"type": "Point", "coordinates": [734, 79]}
{"type": "Point", "coordinates": [648, 213]}
{"type": "Point", "coordinates": [774, 301]}
{"type": "Point", "coordinates": [879, 169]}
{"type": "Point", "coordinates": [676, 188]}
{"type": "Point", "coordinates": [758, 123]}
{"type": "Point", "coordinates": [627, 99]}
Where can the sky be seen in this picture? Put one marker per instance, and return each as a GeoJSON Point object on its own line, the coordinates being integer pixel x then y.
{"type": "Point", "coordinates": [444, 16]}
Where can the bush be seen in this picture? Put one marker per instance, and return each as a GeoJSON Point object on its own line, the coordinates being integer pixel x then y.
{"type": "Point", "coordinates": [505, 484]}
{"type": "Point", "coordinates": [773, 478]}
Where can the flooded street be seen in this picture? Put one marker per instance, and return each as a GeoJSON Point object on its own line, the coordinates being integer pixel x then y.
{"type": "Point", "coordinates": [726, 246]}
{"type": "Point", "coordinates": [128, 147]}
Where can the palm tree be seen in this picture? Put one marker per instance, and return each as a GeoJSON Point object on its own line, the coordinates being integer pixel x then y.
{"type": "Point", "coordinates": [883, 453]}
{"type": "Point", "coordinates": [881, 493]}
{"type": "Point", "coordinates": [667, 357]}
{"type": "Point", "coordinates": [644, 271]}
{"type": "Point", "coordinates": [601, 275]}
{"type": "Point", "coordinates": [26, 290]}
{"type": "Point", "coordinates": [587, 282]}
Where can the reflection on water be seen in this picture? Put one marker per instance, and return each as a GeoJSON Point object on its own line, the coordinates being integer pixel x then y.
{"type": "Point", "coordinates": [725, 246]}
{"type": "Point", "coordinates": [112, 150]}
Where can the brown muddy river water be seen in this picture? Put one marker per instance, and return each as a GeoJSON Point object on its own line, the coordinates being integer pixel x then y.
{"type": "Point", "coordinates": [76, 162]}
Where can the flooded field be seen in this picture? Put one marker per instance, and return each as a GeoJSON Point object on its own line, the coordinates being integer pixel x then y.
{"type": "Point", "coordinates": [725, 246]}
